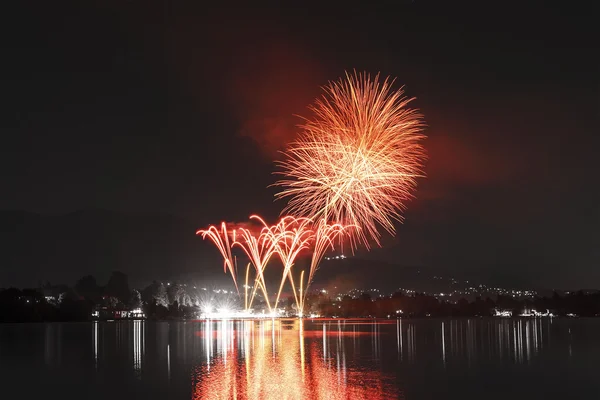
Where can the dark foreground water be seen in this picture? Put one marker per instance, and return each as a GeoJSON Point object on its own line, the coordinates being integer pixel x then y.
{"type": "Point", "coordinates": [291, 359]}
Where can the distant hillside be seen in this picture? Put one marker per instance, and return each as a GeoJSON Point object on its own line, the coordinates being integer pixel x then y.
{"type": "Point", "coordinates": [37, 248]}
{"type": "Point", "coordinates": [362, 273]}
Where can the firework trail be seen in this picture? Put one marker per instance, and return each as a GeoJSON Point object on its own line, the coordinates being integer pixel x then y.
{"type": "Point", "coordinates": [324, 236]}
{"type": "Point", "coordinates": [357, 161]}
{"type": "Point", "coordinates": [292, 235]}
{"type": "Point", "coordinates": [221, 241]}
{"type": "Point", "coordinates": [259, 249]}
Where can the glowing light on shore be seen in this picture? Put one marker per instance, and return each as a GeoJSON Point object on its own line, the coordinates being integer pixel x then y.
{"type": "Point", "coordinates": [226, 313]}
{"type": "Point", "coordinates": [356, 162]}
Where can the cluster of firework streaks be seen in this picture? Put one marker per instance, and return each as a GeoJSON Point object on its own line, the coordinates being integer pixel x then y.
{"type": "Point", "coordinates": [259, 249]}
{"type": "Point", "coordinates": [288, 238]}
{"type": "Point", "coordinates": [357, 161]}
{"type": "Point", "coordinates": [292, 235]}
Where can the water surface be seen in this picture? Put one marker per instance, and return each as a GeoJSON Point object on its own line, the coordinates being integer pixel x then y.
{"type": "Point", "coordinates": [294, 359]}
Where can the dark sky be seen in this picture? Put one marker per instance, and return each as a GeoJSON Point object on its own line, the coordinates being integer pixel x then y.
{"type": "Point", "coordinates": [180, 108]}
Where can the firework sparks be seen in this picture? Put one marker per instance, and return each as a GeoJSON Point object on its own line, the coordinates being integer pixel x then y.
{"type": "Point", "coordinates": [292, 235]}
{"type": "Point", "coordinates": [288, 238]}
{"type": "Point", "coordinates": [357, 161]}
{"type": "Point", "coordinates": [324, 236]}
{"type": "Point", "coordinates": [221, 241]}
{"type": "Point", "coordinates": [259, 249]}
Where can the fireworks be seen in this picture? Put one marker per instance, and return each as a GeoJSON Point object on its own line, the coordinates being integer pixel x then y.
{"type": "Point", "coordinates": [350, 172]}
{"type": "Point", "coordinates": [324, 237]}
{"type": "Point", "coordinates": [288, 238]}
{"type": "Point", "coordinates": [292, 236]}
{"type": "Point", "coordinates": [221, 241]}
{"type": "Point", "coordinates": [259, 249]}
{"type": "Point", "coordinates": [357, 161]}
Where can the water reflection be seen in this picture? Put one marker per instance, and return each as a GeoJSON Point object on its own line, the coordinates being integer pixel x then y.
{"type": "Point", "coordinates": [95, 341]}
{"type": "Point", "coordinates": [281, 359]}
{"type": "Point", "coordinates": [468, 340]}
{"type": "Point", "coordinates": [443, 344]}
{"type": "Point", "coordinates": [289, 359]}
{"type": "Point", "coordinates": [433, 358]}
{"type": "Point", "coordinates": [53, 344]}
{"type": "Point", "coordinates": [270, 360]}
{"type": "Point", "coordinates": [138, 346]}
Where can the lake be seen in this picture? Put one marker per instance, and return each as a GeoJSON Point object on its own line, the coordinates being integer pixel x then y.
{"type": "Point", "coordinates": [310, 359]}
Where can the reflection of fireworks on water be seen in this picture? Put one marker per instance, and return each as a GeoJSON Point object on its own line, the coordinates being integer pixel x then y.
{"type": "Point", "coordinates": [357, 161]}
{"type": "Point", "coordinates": [269, 360]}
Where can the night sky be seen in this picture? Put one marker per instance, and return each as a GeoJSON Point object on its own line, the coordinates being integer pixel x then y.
{"type": "Point", "coordinates": [177, 109]}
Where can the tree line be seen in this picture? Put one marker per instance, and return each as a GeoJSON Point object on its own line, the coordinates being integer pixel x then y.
{"type": "Point", "coordinates": [63, 303]}
{"type": "Point", "coordinates": [179, 301]}
{"type": "Point", "coordinates": [422, 305]}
